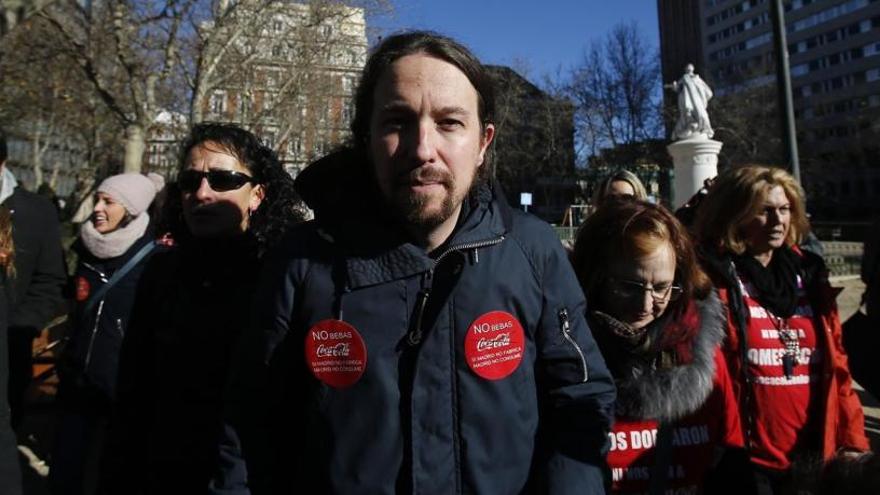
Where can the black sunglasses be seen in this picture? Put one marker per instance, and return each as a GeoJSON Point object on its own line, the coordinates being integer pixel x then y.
{"type": "Point", "coordinates": [220, 180]}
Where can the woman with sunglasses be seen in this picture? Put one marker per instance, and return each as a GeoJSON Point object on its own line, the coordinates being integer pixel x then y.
{"type": "Point", "coordinates": [235, 200]}
{"type": "Point", "coordinates": [659, 326]}
{"type": "Point", "coordinates": [113, 248]}
{"type": "Point", "coordinates": [783, 342]}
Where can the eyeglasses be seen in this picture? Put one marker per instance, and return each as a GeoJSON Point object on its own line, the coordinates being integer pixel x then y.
{"type": "Point", "coordinates": [631, 289]}
{"type": "Point", "coordinates": [219, 180]}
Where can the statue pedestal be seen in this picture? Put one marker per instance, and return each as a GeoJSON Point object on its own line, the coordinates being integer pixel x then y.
{"type": "Point", "coordinates": [695, 160]}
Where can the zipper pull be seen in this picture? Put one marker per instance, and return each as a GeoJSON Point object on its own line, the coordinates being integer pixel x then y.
{"type": "Point", "coordinates": [475, 256]}
{"type": "Point", "coordinates": [563, 320]}
{"type": "Point", "coordinates": [565, 325]}
{"type": "Point", "coordinates": [414, 337]}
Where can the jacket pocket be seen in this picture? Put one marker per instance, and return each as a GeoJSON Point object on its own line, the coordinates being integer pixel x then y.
{"type": "Point", "coordinates": [565, 329]}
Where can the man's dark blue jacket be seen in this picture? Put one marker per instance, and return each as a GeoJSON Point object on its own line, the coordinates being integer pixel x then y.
{"type": "Point", "coordinates": [419, 419]}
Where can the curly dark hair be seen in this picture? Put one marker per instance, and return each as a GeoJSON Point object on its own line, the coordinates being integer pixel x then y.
{"type": "Point", "coordinates": [281, 207]}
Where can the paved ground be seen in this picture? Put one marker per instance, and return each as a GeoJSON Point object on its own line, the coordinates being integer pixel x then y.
{"type": "Point", "coordinates": [40, 424]}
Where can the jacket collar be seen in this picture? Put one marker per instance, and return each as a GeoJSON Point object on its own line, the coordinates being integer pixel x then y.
{"type": "Point", "coordinates": [670, 394]}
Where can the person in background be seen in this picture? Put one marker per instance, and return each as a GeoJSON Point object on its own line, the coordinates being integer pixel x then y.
{"type": "Point", "coordinates": [10, 475]}
{"type": "Point", "coordinates": [35, 291]}
{"type": "Point", "coordinates": [113, 248]}
{"type": "Point", "coordinates": [235, 201]}
{"type": "Point", "coordinates": [621, 183]}
{"type": "Point", "coordinates": [659, 325]}
{"type": "Point", "coordinates": [783, 344]}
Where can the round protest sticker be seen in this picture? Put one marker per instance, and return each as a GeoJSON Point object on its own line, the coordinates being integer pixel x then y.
{"type": "Point", "coordinates": [494, 345]}
{"type": "Point", "coordinates": [82, 289]}
{"type": "Point", "coordinates": [336, 353]}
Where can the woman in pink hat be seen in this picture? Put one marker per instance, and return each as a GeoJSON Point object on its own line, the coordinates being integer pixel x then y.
{"type": "Point", "coordinates": [113, 247]}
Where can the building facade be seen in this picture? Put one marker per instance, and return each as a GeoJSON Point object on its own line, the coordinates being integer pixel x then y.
{"type": "Point", "coordinates": [834, 56]}
{"type": "Point", "coordinates": [534, 145]}
{"type": "Point", "coordinates": [294, 77]}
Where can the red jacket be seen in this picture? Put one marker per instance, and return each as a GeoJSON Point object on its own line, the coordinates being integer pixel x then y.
{"type": "Point", "coordinates": [844, 422]}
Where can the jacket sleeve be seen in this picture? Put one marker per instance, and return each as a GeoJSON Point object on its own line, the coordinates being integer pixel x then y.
{"type": "Point", "coordinates": [254, 434]}
{"type": "Point", "coordinates": [575, 387]}
{"type": "Point", "coordinates": [40, 299]}
{"type": "Point", "coordinates": [851, 416]}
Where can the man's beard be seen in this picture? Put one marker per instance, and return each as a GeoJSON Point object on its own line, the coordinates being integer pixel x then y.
{"type": "Point", "coordinates": [411, 207]}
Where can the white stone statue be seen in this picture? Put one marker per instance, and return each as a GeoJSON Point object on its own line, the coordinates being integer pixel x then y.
{"type": "Point", "coordinates": [693, 98]}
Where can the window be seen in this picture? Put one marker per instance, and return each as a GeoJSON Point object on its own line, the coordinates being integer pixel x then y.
{"type": "Point", "coordinates": [327, 31]}
{"type": "Point", "coordinates": [346, 112]}
{"type": "Point", "coordinates": [872, 75]}
{"type": "Point", "coordinates": [347, 83]}
{"type": "Point", "coordinates": [269, 139]}
{"type": "Point", "coordinates": [294, 146]}
{"type": "Point", "coordinates": [218, 102]}
{"type": "Point", "coordinates": [277, 25]}
{"type": "Point", "coordinates": [799, 70]}
{"type": "Point", "coordinates": [276, 51]}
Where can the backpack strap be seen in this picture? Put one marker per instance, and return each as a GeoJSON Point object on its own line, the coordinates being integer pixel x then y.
{"type": "Point", "coordinates": [118, 275]}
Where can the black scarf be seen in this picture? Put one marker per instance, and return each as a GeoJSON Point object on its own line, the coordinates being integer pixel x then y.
{"type": "Point", "coordinates": [776, 283]}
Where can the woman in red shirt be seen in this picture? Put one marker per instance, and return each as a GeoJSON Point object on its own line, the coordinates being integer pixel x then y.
{"type": "Point", "coordinates": [783, 342]}
{"type": "Point", "coordinates": [659, 325]}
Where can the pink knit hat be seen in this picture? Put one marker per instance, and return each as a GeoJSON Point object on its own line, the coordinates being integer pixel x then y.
{"type": "Point", "coordinates": [135, 191]}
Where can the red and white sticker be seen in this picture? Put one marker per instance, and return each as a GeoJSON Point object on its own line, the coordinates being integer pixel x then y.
{"type": "Point", "coordinates": [82, 289]}
{"type": "Point", "coordinates": [336, 353]}
{"type": "Point", "coordinates": [494, 345]}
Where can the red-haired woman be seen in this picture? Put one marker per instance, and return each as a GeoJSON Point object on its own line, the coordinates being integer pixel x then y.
{"type": "Point", "coordinates": [783, 341]}
{"type": "Point", "coordinates": [659, 325]}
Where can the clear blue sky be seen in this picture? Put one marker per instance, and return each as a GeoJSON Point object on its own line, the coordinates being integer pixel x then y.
{"type": "Point", "coordinates": [545, 34]}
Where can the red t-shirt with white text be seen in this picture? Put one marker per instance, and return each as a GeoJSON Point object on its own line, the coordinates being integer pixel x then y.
{"type": "Point", "coordinates": [695, 442]}
{"type": "Point", "coordinates": [781, 404]}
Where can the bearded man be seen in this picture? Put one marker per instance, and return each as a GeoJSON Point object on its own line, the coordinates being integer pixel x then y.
{"type": "Point", "coordinates": [420, 335]}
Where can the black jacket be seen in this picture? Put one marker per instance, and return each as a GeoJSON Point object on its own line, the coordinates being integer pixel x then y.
{"type": "Point", "coordinates": [91, 356]}
{"type": "Point", "coordinates": [420, 418]}
{"type": "Point", "coordinates": [192, 303]}
{"type": "Point", "coordinates": [10, 476]}
{"type": "Point", "coordinates": [39, 262]}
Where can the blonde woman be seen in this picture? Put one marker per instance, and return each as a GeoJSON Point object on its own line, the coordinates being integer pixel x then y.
{"type": "Point", "coordinates": [621, 183]}
{"type": "Point", "coordinates": [783, 341]}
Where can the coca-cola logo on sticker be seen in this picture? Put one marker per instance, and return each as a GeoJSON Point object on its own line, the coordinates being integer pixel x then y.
{"type": "Point", "coordinates": [502, 340]}
{"type": "Point", "coordinates": [335, 353]}
{"type": "Point", "coordinates": [494, 345]}
{"type": "Point", "coordinates": [338, 350]}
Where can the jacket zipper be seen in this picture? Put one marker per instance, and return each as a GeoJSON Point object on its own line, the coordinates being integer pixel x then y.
{"type": "Point", "coordinates": [98, 314]}
{"type": "Point", "coordinates": [94, 333]}
{"type": "Point", "coordinates": [565, 325]}
{"type": "Point", "coordinates": [414, 337]}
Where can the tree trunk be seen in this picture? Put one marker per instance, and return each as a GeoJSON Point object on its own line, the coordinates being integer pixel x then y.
{"type": "Point", "coordinates": [135, 143]}
{"type": "Point", "coordinates": [37, 157]}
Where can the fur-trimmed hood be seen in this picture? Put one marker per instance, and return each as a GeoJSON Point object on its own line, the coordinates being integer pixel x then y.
{"type": "Point", "coordinates": [668, 394]}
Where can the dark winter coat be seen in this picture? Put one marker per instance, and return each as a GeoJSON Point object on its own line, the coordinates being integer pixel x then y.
{"type": "Point", "coordinates": [192, 303]}
{"type": "Point", "coordinates": [10, 475]}
{"type": "Point", "coordinates": [39, 261]}
{"type": "Point", "coordinates": [91, 355]}
{"type": "Point", "coordinates": [419, 419]}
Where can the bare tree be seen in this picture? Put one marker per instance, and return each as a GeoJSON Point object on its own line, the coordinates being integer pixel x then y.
{"type": "Point", "coordinates": [616, 91]}
{"type": "Point", "coordinates": [283, 69]}
{"type": "Point", "coordinates": [47, 105]}
{"type": "Point", "coordinates": [534, 144]}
